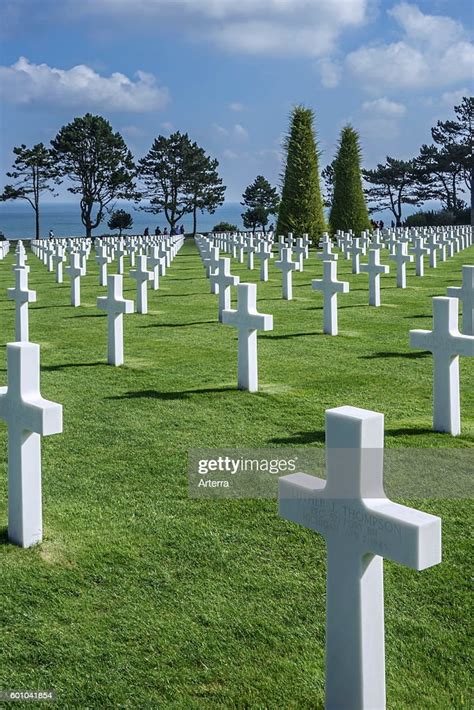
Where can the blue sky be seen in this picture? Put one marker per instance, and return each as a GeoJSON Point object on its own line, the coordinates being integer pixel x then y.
{"type": "Point", "coordinates": [229, 71]}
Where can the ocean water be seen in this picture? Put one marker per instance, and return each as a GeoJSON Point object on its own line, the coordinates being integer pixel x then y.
{"type": "Point", "coordinates": [64, 218]}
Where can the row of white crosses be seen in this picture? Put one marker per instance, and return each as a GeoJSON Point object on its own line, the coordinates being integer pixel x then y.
{"type": "Point", "coordinates": [245, 317]}
{"type": "Point", "coordinates": [149, 255]}
{"type": "Point", "coordinates": [4, 248]}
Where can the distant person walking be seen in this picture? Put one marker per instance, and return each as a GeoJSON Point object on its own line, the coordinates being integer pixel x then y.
{"type": "Point", "coordinates": [157, 232]}
{"type": "Point", "coordinates": [51, 234]}
{"type": "Point", "coordinates": [165, 231]}
{"type": "Point", "coordinates": [146, 233]}
{"type": "Point", "coordinates": [181, 231]}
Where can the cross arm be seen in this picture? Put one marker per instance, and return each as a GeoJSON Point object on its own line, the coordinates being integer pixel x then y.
{"type": "Point", "coordinates": [421, 339]}
{"type": "Point", "coordinates": [404, 535]}
{"type": "Point", "coordinates": [299, 500]}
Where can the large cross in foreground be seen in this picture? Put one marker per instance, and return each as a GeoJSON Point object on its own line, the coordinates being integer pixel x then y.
{"type": "Point", "coordinates": [28, 417]}
{"type": "Point", "coordinates": [361, 527]}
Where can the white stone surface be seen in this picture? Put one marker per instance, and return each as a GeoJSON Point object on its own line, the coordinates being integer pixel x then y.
{"type": "Point", "coordinates": [75, 271]}
{"type": "Point", "coordinates": [247, 321]}
{"type": "Point", "coordinates": [361, 526]}
{"type": "Point", "coordinates": [286, 265]}
{"type": "Point", "coordinates": [374, 269]}
{"type": "Point", "coordinates": [28, 417]}
{"type": "Point", "coordinates": [115, 306]}
{"type": "Point", "coordinates": [142, 276]}
{"type": "Point", "coordinates": [22, 295]}
{"type": "Point", "coordinates": [330, 287]}
{"type": "Point", "coordinates": [446, 343]}
{"type": "Point", "coordinates": [225, 281]}
{"type": "Point", "coordinates": [401, 258]}
{"type": "Point", "coordinates": [465, 294]}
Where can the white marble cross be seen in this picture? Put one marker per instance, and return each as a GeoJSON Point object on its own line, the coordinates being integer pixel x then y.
{"type": "Point", "coordinates": [247, 321]}
{"type": "Point", "coordinates": [157, 265]}
{"type": "Point", "coordinates": [115, 306]}
{"type": "Point", "coordinates": [264, 253]}
{"type": "Point", "coordinates": [330, 287]}
{"type": "Point", "coordinates": [58, 258]}
{"type": "Point", "coordinates": [120, 252]}
{"type": "Point", "coordinates": [419, 251]}
{"type": "Point", "coordinates": [374, 268]}
{"type": "Point", "coordinates": [28, 417]}
{"type": "Point", "coordinates": [299, 251]}
{"type": "Point", "coordinates": [22, 295]}
{"type": "Point", "coordinates": [355, 251]}
{"type": "Point", "coordinates": [141, 275]}
{"type": "Point", "coordinates": [361, 526]}
{"type": "Point", "coordinates": [465, 293]}
{"type": "Point", "coordinates": [75, 271]}
{"type": "Point", "coordinates": [401, 258]}
{"type": "Point", "coordinates": [225, 280]}
{"type": "Point", "coordinates": [250, 248]}
{"type": "Point", "coordinates": [287, 266]}
{"type": "Point", "coordinates": [446, 343]}
{"type": "Point", "coordinates": [327, 253]}
{"type": "Point", "coordinates": [20, 255]}
{"type": "Point", "coordinates": [102, 260]}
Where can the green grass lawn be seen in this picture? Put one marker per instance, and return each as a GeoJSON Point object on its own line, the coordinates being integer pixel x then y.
{"type": "Point", "coordinates": [141, 597]}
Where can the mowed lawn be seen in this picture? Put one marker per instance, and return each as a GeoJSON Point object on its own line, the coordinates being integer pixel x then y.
{"type": "Point", "coordinates": [140, 597]}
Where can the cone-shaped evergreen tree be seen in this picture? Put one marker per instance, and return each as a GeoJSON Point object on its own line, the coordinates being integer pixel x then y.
{"type": "Point", "coordinates": [301, 207]}
{"type": "Point", "coordinates": [349, 209]}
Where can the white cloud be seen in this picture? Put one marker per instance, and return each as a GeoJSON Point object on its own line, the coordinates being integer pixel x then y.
{"type": "Point", "coordinates": [167, 126]}
{"type": "Point", "coordinates": [454, 98]}
{"type": "Point", "coordinates": [436, 30]}
{"type": "Point", "coordinates": [25, 83]}
{"type": "Point", "coordinates": [236, 106]}
{"type": "Point", "coordinates": [220, 130]}
{"type": "Point", "coordinates": [432, 52]}
{"type": "Point", "coordinates": [239, 132]}
{"type": "Point", "coordinates": [330, 73]}
{"type": "Point", "coordinates": [229, 154]}
{"type": "Point", "coordinates": [292, 27]}
{"type": "Point", "coordinates": [384, 107]}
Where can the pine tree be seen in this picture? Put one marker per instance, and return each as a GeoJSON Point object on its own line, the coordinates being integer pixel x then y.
{"type": "Point", "coordinates": [349, 209]}
{"type": "Point", "coordinates": [301, 207]}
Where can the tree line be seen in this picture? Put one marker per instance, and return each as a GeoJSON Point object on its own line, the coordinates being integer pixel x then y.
{"type": "Point", "coordinates": [177, 178]}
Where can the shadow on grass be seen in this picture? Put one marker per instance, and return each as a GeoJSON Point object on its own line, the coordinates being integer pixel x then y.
{"type": "Point", "coordinates": [181, 295]}
{"type": "Point", "coordinates": [301, 437]}
{"type": "Point", "coordinates": [288, 336]}
{"type": "Point", "coordinates": [408, 356]}
{"type": "Point", "coordinates": [414, 431]}
{"type": "Point", "coordinates": [179, 325]}
{"type": "Point", "coordinates": [54, 368]}
{"type": "Point", "coordinates": [4, 536]}
{"type": "Point", "coordinates": [88, 315]}
{"type": "Point", "coordinates": [56, 305]}
{"type": "Point", "coordinates": [420, 315]}
{"type": "Point", "coordinates": [166, 396]}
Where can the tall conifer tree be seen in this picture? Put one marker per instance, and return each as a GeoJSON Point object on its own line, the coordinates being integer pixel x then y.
{"type": "Point", "coordinates": [348, 209]}
{"type": "Point", "coordinates": [301, 207]}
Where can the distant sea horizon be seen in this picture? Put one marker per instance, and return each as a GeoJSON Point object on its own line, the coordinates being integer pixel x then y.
{"type": "Point", "coordinates": [17, 219]}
